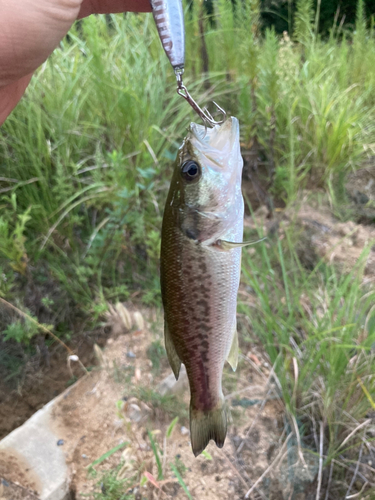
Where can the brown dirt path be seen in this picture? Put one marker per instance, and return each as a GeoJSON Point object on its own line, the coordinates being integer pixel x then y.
{"type": "Point", "coordinates": [91, 422]}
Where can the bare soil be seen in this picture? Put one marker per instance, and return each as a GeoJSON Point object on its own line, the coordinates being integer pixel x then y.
{"type": "Point", "coordinates": [41, 382]}
{"type": "Point", "coordinates": [13, 491]}
{"type": "Point", "coordinates": [321, 235]}
{"type": "Point", "coordinates": [15, 471]}
{"type": "Point", "coordinates": [98, 414]}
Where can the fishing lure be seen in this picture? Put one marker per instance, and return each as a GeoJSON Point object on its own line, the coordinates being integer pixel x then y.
{"type": "Point", "coordinates": [169, 19]}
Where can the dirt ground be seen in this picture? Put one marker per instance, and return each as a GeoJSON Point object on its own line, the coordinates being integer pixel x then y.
{"type": "Point", "coordinates": [321, 235]}
{"type": "Point", "coordinates": [41, 382]}
{"type": "Point", "coordinates": [105, 409]}
{"type": "Point", "coordinates": [102, 412]}
{"type": "Point", "coordinates": [8, 489]}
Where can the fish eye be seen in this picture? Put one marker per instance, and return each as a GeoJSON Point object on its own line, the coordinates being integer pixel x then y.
{"type": "Point", "coordinates": [190, 170]}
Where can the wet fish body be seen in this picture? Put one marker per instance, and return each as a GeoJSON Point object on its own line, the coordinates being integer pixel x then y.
{"type": "Point", "coordinates": [200, 270]}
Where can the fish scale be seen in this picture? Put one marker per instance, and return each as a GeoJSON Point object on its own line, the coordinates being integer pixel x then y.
{"type": "Point", "coordinates": [200, 280]}
{"type": "Point", "coordinates": [203, 288]}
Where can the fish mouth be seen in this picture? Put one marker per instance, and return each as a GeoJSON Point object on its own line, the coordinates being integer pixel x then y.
{"type": "Point", "coordinates": [223, 138]}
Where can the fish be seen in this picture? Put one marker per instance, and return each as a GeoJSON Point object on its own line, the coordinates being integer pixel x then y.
{"type": "Point", "coordinates": [200, 263]}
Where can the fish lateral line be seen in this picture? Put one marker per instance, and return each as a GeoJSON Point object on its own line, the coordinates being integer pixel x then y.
{"type": "Point", "coordinates": [225, 245]}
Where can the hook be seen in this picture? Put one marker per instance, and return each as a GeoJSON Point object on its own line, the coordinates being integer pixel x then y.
{"type": "Point", "coordinates": [203, 113]}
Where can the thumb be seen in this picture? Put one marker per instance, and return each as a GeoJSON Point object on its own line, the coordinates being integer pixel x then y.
{"type": "Point", "coordinates": [29, 31]}
{"type": "Point", "coordinates": [11, 94]}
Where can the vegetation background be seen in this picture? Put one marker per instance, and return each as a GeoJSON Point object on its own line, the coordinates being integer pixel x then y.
{"type": "Point", "coordinates": [85, 162]}
{"type": "Point", "coordinates": [281, 14]}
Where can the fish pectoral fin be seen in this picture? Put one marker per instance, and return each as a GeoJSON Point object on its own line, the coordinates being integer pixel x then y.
{"type": "Point", "coordinates": [229, 245]}
{"type": "Point", "coordinates": [173, 358]}
{"type": "Point", "coordinates": [233, 353]}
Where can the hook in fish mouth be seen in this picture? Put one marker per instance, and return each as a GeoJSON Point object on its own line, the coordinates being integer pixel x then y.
{"type": "Point", "coordinates": [202, 113]}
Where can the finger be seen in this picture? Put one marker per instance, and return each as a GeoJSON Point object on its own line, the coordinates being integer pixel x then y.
{"type": "Point", "coordinates": [11, 94]}
{"type": "Point", "coordinates": [29, 31]}
{"type": "Point", "coordinates": [113, 6]}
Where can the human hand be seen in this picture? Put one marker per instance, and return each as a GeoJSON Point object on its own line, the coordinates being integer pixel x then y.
{"type": "Point", "coordinates": [31, 29]}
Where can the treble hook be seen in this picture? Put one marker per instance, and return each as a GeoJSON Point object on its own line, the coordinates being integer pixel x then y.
{"type": "Point", "coordinates": [202, 113]}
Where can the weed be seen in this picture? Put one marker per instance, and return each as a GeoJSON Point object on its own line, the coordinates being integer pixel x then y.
{"type": "Point", "coordinates": [112, 487]}
{"type": "Point", "coordinates": [181, 481]}
{"type": "Point", "coordinates": [107, 455]}
{"type": "Point", "coordinates": [178, 468]}
{"type": "Point", "coordinates": [179, 465]}
{"type": "Point", "coordinates": [20, 331]}
{"type": "Point", "coordinates": [6, 282]}
{"type": "Point", "coordinates": [12, 237]}
{"type": "Point", "coordinates": [314, 325]}
{"type": "Point", "coordinates": [157, 455]}
{"type": "Point", "coordinates": [165, 406]}
{"type": "Point", "coordinates": [157, 354]}
{"type": "Point", "coordinates": [122, 482]}
{"type": "Point", "coordinates": [123, 375]}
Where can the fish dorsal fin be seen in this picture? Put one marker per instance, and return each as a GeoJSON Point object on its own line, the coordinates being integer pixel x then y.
{"type": "Point", "coordinates": [233, 353]}
{"type": "Point", "coordinates": [173, 358]}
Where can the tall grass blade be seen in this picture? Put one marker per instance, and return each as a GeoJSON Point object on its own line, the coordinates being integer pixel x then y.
{"type": "Point", "coordinates": [156, 455]}
{"type": "Point", "coordinates": [181, 481]}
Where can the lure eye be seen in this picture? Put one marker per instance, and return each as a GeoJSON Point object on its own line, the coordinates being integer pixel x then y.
{"type": "Point", "coordinates": [190, 170]}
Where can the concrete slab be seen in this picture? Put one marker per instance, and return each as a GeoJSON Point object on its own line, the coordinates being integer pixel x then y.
{"type": "Point", "coordinates": [31, 456]}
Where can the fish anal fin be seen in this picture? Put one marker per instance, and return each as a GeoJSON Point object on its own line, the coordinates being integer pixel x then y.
{"type": "Point", "coordinates": [233, 353]}
{"type": "Point", "coordinates": [207, 425]}
{"type": "Point", "coordinates": [172, 355]}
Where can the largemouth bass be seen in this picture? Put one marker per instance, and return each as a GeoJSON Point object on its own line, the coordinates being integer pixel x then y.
{"type": "Point", "coordinates": [200, 270]}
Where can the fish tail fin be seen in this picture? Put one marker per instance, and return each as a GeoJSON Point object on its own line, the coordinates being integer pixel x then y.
{"type": "Point", "coordinates": [207, 425]}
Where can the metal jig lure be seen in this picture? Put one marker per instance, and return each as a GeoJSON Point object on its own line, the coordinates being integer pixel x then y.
{"type": "Point", "coordinates": [169, 19]}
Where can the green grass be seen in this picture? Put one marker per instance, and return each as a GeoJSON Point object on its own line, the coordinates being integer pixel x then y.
{"type": "Point", "coordinates": [112, 487]}
{"type": "Point", "coordinates": [318, 329]}
{"type": "Point", "coordinates": [123, 482]}
{"type": "Point", "coordinates": [157, 354]}
{"type": "Point", "coordinates": [85, 162]}
{"type": "Point", "coordinates": [88, 152]}
{"type": "Point", "coordinates": [165, 407]}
